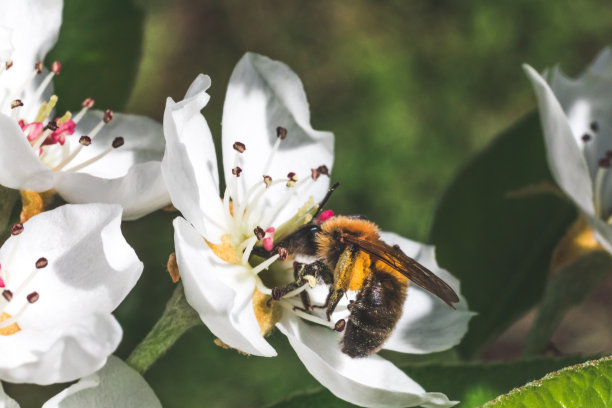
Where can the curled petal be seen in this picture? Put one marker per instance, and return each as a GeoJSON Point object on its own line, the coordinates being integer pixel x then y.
{"type": "Point", "coordinates": [262, 95]}
{"type": "Point", "coordinates": [189, 165]}
{"type": "Point", "coordinates": [20, 167]}
{"type": "Point", "coordinates": [221, 293]}
{"type": "Point", "coordinates": [115, 385]}
{"type": "Point", "coordinates": [370, 382]}
{"type": "Point", "coordinates": [565, 158]}
{"type": "Point", "coordinates": [427, 324]}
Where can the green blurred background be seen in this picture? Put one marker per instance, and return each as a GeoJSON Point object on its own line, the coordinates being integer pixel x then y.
{"type": "Point", "coordinates": [411, 90]}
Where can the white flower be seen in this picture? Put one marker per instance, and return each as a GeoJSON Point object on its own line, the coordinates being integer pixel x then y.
{"type": "Point", "coordinates": [276, 168]}
{"type": "Point", "coordinates": [115, 385]}
{"type": "Point", "coordinates": [62, 274]}
{"type": "Point", "coordinates": [88, 157]}
{"type": "Point", "coordinates": [577, 126]}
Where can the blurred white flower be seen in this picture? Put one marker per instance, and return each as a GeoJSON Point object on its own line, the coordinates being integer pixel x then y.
{"type": "Point", "coordinates": [577, 126]}
{"type": "Point", "coordinates": [276, 168]}
{"type": "Point", "coordinates": [88, 157]}
{"type": "Point", "coordinates": [62, 273]}
{"type": "Point", "coordinates": [115, 385]}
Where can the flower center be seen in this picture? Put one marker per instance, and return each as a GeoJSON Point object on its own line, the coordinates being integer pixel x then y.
{"type": "Point", "coordinates": [48, 135]}
{"type": "Point", "coordinates": [14, 298]}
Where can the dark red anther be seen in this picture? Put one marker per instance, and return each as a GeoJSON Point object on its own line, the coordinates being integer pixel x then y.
{"type": "Point", "coordinates": [340, 325]}
{"type": "Point", "coordinates": [56, 67]}
{"type": "Point", "coordinates": [259, 233]}
{"type": "Point", "coordinates": [236, 171]}
{"type": "Point", "coordinates": [88, 103]}
{"type": "Point", "coordinates": [38, 67]}
{"type": "Point", "coordinates": [267, 181]}
{"type": "Point", "coordinates": [7, 294]}
{"type": "Point", "coordinates": [281, 132]}
{"type": "Point", "coordinates": [17, 229]}
{"type": "Point", "coordinates": [117, 142]}
{"type": "Point", "coordinates": [85, 140]}
{"type": "Point", "coordinates": [108, 115]}
{"type": "Point", "coordinates": [16, 103]}
{"type": "Point", "coordinates": [33, 297]}
{"type": "Point", "coordinates": [282, 253]}
{"type": "Point", "coordinates": [41, 263]}
{"type": "Point", "coordinates": [239, 147]}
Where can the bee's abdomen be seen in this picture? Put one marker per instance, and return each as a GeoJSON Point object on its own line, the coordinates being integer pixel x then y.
{"type": "Point", "coordinates": [374, 313]}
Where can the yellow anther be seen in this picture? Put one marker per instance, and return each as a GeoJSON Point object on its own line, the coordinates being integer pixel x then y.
{"type": "Point", "coordinates": [67, 116]}
{"type": "Point", "coordinates": [45, 109]}
{"type": "Point", "coordinates": [225, 250]}
{"type": "Point", "coordinates": [11, 328]}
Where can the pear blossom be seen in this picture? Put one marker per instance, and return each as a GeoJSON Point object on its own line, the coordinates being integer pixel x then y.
{"type": "Point", "coordinates": [115, 385]}
{"type": "Point", "coordinates": [575, 117]}
{"type": "Point", "coordinates": [92, 156]}
{"type": "Point", "coordinates": [62, 273]}
{"type": "Point", "coordinates": [276, 169]}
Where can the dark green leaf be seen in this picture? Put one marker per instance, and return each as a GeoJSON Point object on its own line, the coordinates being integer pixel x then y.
{"type": "Point", "coordinates": [471, 383]}
{"type": "Point", "coordinates": [498, 246]}
{"type": "Point", "coordinates": [585, 385]}
{"type": "Point", "coordinates": [8, 198]}
{"type": "Point", "coordinates": [99, 47]}
{"type": "Point", "coordinates": [564, 290]}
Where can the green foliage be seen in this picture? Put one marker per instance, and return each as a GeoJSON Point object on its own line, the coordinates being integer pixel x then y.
{"type": "Point", "coordinates": [587, 385]}
{"type": "Point", "coordinates": [497, 245]}
{"type": "Point", "coordinates": [566, 289]}
{"type": "Point", "coordinates": [99, 47]}
{"type": "Point", "coordinates": [8, 198]}
{"type": "Point", "coordinates": [471, 383]}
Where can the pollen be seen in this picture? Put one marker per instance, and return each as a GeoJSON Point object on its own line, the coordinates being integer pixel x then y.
{"type": "Point", "coordinates": [267, 315]}
{"type": "Point", "coordinates": [225, 250]}
{"type": "Point", "coordinates": [10, 329]}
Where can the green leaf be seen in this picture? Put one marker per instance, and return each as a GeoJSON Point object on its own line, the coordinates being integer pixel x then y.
{"type": "Point", "coordinates": [500, 246]}
{"type": "Point", "coordinates": [564, 290]}
{"type": "Point", "coordinates": [99, 47]}
{"type": "Point", "coordinates": [471, 383]}
{"type": "Point", "coordinates": [584, 385]}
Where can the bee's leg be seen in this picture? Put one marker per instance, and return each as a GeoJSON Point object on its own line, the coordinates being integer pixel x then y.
{"type": "Point", "coordinates": [336, 295]}
{"type": "Point", "coordinates": [298, 275]}
{"type": "Point", "coordinates": [342, 274]}
{"type": "Point", "coordinates": [303, 274]}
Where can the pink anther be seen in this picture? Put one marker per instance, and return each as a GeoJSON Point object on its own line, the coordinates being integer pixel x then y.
{"type": "Point", "coordinates": [324, 216]}
{"type": "Point", "coordinates": [268, 241]}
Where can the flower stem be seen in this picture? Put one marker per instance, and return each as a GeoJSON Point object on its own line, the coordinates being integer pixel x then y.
{"type": "Point", "coordinates": [178, 317]}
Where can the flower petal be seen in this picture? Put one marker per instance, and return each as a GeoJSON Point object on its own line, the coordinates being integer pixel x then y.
{"type": "Point", "coordinates": [427, 324]}
{"type": "Point", "coordinates": [565, 159]}
{"type": "Point", "coordinates": [220, 292]}
{"type": "Point", "coordinates": [115, 385]}
{"type": "Point", "coordinates": [6, 401]}
{"type": "Point", "coordinates": [140, 192]}
{"type": "Point", "coordinates": [35, 26]}
{"type": "Point", "coordinates": [21, 168]}
{"type": "Point", "coordinates": [189, 165]}
{"type": "Point", "coordinates": [91, 267]}
{"type": "Point", "coordinates": [263, 94]}
{"type": "Point", "coordinates": [369, 382]}
{"type": "Point", "coordinates": [60, 353]}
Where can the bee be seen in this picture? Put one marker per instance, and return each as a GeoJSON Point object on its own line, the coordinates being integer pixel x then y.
{"type": "Point", "coordinates": [351, 256]}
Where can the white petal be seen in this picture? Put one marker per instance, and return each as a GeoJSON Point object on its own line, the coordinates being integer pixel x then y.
{"type": "Point", "coordinates": [263, 94]}
{"type": "Point", "coordinates": [141, 191]}
{"type": "Point", "coordinates": [565, 159]}
{"type": "Point", "coordinates": [6, 46]}
{"type": "Point", "coordinates": [602, 64]}
{"type": "Point", "coordinates": [6, 401]}
{"type": "Point", "coordinates": [129, 175]}
{"type": "Point", "coordinates": [143, 143]}
{"type": "Point", "coordinates": [220, 292]}
{"type": "Point", "coordinates": [60, 353]}
{"type": "Point", "coordinates": [21, 168]}
{"type": "Point", "coordinates": [370, 382]}
{"type": "Point", "coordinates": [91, 268]}
{"type": "Point", "coordinates": [427, 324]}
{"type": "Point", "coordinates": [35, 25]}
{"type": "Point", "coordinates": [116, 385]}
{"type": "Point", "coordinates": [189, 165]}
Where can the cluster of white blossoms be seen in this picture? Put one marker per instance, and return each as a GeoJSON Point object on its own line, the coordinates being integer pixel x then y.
{"type": "Point", "coordinates": [64, 271]}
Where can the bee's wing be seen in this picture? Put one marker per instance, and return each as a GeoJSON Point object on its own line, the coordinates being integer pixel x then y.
{"type": "Point", "coordinates": [417, 273]}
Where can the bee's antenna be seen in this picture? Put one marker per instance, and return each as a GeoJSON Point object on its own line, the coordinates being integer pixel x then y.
{"type": "Point", "coordinates": [325, 199]}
